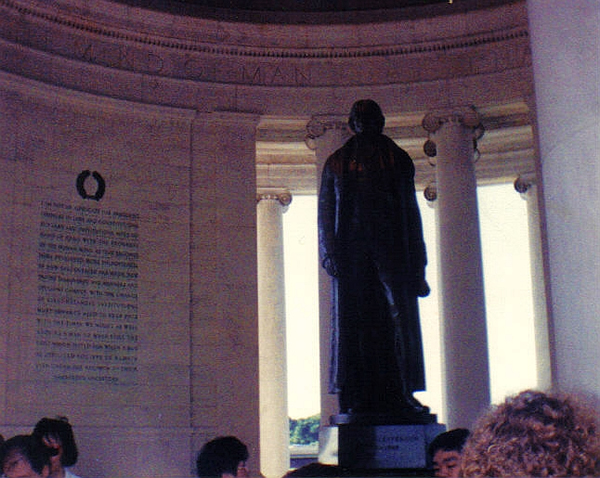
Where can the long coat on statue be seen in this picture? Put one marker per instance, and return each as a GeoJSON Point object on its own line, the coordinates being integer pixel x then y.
{"type": "Point", "coordinates": [371, 242]}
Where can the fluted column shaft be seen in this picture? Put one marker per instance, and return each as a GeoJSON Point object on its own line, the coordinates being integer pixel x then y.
{"type": "Point", "coordinates": [466, 383]}
{"type": "Point", "coordinates": [566, 66]}
{"type": "Point", "coordinates": [274, 424]}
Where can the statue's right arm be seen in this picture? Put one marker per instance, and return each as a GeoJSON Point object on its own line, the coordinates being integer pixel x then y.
{"type": "Point", "coordinates": [327, 211]}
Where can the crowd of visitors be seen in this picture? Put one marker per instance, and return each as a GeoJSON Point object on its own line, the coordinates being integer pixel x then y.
{"type": "Point", "coordinates": [532, 434]}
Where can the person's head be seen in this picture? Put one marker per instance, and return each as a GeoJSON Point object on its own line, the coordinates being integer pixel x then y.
{"type": "Point", "coordinates": [535, 434]}
{"type": "Point", "coordinates": [23, 456]}
{"type": "Point", "coordinates": [366, 118]}
{"type": "Point", "coordinates": [445, 451]}
{"type": "Point", "coordinates": [222, 457]}
{"type": "Point", "coordinates": [314, 470]}
{"type": "Point", "coordinates": [57, 433]}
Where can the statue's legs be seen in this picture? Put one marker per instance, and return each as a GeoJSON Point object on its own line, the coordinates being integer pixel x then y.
{"type": "Point", "coordinates": [404, 313]}
{"type": "Point", "coordinates": [379, 352]}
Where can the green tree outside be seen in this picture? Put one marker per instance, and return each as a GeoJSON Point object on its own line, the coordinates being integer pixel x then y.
{"type": "Point", "coordinates": [304, 431]}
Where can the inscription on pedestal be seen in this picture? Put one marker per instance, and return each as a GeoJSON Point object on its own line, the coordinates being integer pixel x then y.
{"type": "Point", "coordinates": [87, 300]}
{"type": "Point", "coordinates": [386, 446]}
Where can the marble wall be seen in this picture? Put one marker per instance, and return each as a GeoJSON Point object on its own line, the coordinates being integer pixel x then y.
{"type": "Point", "coordinates": [113, 208]}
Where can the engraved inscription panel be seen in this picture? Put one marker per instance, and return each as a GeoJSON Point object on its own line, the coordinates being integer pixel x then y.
{"type": "Point", "coordinates": [87, 301]}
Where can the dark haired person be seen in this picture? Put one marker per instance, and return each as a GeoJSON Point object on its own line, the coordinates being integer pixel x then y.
{"type": "Point", "coordinates": [57, 434]}
{"type": "Point", "coordinates": [445, 451]}
{"type": "Point", "coordinates": [535, 434]}
{"type": "Point", "coordinates": [223, 457]}
{"type": "Point", "coordinates": [23, 456]}
{"type": "Point", "coordinates": [371, 244]}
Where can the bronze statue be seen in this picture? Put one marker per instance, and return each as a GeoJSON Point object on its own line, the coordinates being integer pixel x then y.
{"type": "Point", "coordinates": [371, 243]}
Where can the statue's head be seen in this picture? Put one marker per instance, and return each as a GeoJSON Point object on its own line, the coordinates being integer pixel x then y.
{"type": "Point", "coordinates": [366, 117]}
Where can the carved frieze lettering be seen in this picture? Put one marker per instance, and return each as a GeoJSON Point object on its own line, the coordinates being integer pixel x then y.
{"type": "Point", "coordinates": [266, 74]}
{"type": "Point", "coordinates": [235, 54]}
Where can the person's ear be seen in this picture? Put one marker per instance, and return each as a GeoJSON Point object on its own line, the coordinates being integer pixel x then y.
{"type": "Point", "coordinates": [45, 471]}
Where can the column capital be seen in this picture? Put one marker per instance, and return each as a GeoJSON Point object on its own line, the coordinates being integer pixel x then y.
{"type": "Point", "coordinates": [318, 125]}
{"type": "Point", "coordinates": [524, 182]}
{"type": "Point", "coordinates": [430, 192]}
{"type": "Point", "coordinates": [283, 196]}
{"type": "Point", "coordinates": [465, 115]}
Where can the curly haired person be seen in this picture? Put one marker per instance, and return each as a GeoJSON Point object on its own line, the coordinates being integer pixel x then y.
{"type": "Point", "coordinates": [535, 434]}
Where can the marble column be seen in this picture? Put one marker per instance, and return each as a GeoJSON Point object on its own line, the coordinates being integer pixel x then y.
{"type": "Point", "coordinates": [274, 423]}
{"type": "Point", "coordinates": [566, 66]}
{"type": "Point", "coordinates": [466, 382]}
{"type": "Point", "coordinates": [526, 186]}
{"type": "Point", "coordinates": [325, 134]}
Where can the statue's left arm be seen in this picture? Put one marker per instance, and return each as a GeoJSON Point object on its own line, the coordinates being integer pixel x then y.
{"type": "Point", "coordinates": [417, 254]}
{"type": "Point", "coordinates": [327, 213]}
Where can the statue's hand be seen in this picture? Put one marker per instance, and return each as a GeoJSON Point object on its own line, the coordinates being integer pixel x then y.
{"type": "Point", "coordinates": [423, 288]}
{"type": "Point", "coordinates": [330, 266]}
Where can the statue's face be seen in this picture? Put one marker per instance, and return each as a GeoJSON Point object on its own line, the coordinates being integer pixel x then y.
{"type": "Point", "coordinates": [366, 117]}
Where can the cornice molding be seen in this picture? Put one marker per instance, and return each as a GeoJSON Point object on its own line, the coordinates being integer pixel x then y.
{"type": "Point", "coordinates": [146, 56]}
{"type": "Point", "coordinates": [221, 48]}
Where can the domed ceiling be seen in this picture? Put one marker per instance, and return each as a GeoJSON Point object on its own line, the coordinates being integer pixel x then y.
{"type": "Point", "coordinates": [295, 5]}
{"type": "Point", "coordinates": [313, 11]}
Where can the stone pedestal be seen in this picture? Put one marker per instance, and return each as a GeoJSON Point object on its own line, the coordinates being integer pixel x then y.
{"type": "Point", "coordinates": [385, 447]}
{"type": "Point", "coordinates": [370, 442]}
